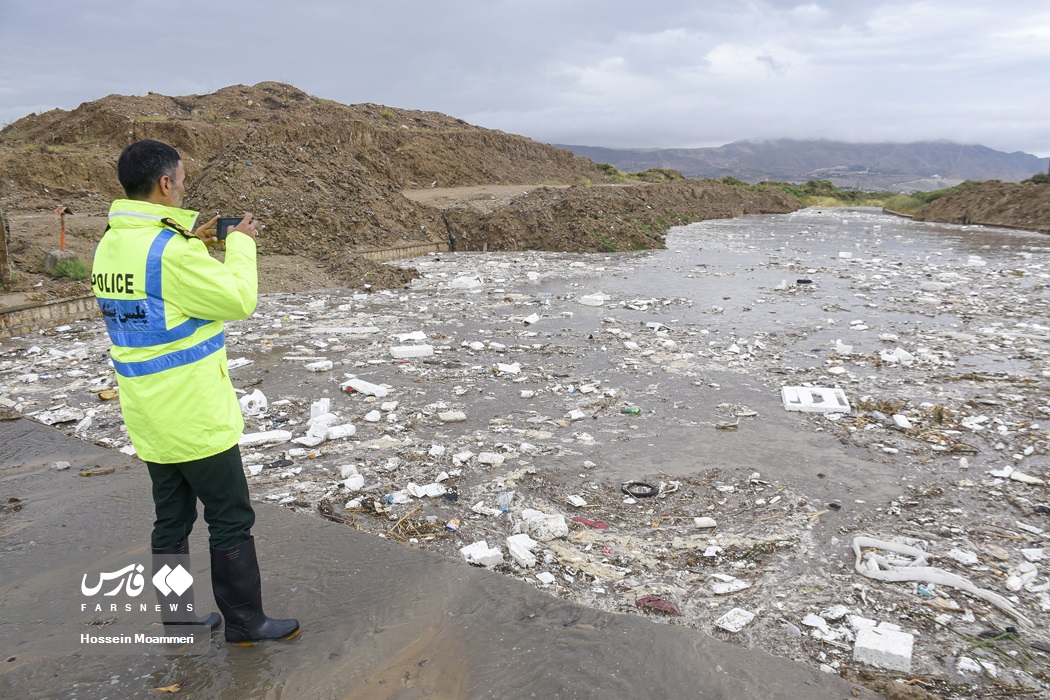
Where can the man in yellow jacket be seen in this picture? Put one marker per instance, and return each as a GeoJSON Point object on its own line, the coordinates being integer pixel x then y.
{"type": "Point", "coordinates": [164, 300]}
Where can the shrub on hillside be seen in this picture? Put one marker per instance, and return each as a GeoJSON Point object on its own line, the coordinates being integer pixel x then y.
{"type": "Point", "coordinates": [74, 269]}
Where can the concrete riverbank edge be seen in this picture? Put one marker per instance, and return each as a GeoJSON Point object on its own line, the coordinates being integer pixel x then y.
{"type": "Point", "coordinates": [25, 318]}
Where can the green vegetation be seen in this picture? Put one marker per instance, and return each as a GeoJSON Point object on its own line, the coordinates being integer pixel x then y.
{"type": "Point", "coordinates": [607, 244]}
{"type": "Point", "coordinates": [817, 193]}
{"type": "Point", "coordinates": [74, 269]}
{"type": "Point", "coordinates": [1037, 179]}
{"type": "Point", "coordinates": [657, 175]}
{"type": "Point", "coordinates": [910, 204]}
{"type": "Point", "coordinates": [652, 175]}
{"type": "Point", "coordinates": [386, 114]}
{"type": "Point", "coordinates": [208, 115]}
{"type": "Point", "coordinates": [8, 135]}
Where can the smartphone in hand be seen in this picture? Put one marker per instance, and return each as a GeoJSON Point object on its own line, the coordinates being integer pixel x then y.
{"type": "Point", "coordinates": [224, 224]}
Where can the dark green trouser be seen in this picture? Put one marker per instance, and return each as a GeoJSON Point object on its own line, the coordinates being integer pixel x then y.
{"type": "Point", "coordinates": [218, 481]}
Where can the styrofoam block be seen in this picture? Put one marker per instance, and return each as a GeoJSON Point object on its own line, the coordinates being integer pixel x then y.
{"type": "Point", "coordinates": [324, 419]}
{"type": "Point", "coordinates": [1034, 554]}
{"type": "Point", "coordinates": [520, 547]}
{"type": "Point", "coordinates": [884, 648]}
{"type": "Point", "coordinates": [363, 387]}
{"type": "Point", "coordinates": [403, 352]}
{"type": "Point", "coordinates": [320, 408]}
{"type": "Point", "coordinates": [316, 434]}
{"type": "Point", "coordinates": [809, 399]}
{"type": "Point", "coordinates": [466, 282]}
{"type": "Point", "coordinates": [335, 432]}
{"type": "Point", "coordinates": [344, 330]}
{"type": "Point", "coordinates": [523, 540]}
{"type": "Point", "coordinates": [481, 554]}
{"type": "Point", "coordinates": [727, 587]}
{"type": "Point", "coordinates": [254, 403]}
{"type": "Point", "coordinates": [266, 436]}
{"type": "Point", "coordinates": [735, 620]}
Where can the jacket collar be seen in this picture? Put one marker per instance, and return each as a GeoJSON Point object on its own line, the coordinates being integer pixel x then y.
{"type": "Point", "coordinates": [136, 213]}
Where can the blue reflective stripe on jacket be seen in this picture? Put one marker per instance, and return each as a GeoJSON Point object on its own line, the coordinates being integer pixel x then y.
{"type": "Point", "coordinates": [176, 358]}
{"type": "Point", "coordinates": [176, 397]}
{"type": "Point", "coordinates": [140, 323]}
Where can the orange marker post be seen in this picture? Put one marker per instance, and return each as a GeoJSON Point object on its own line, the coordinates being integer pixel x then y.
{"type": "Point", "coordinates": [62, 211]}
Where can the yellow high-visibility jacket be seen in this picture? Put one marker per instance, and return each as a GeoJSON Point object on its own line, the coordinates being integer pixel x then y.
{"type": "Point", "coordinates": [164, 298]}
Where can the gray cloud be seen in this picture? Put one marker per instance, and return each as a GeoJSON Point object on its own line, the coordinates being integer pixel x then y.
{"type": "Point", "coordinates": [614, 73]}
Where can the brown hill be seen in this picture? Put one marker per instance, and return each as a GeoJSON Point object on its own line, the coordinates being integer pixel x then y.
{"type": "Point", "coordinates": [329, 179]}
{"type": "Point", "coordinates": [1024, 206]}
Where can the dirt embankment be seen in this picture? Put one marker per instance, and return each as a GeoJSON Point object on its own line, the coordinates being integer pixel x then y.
{"type": "Point", "coordinates": [1021, 206]}
{"type": "Point", "coordinates": [610, 218]}
{"type": "Point", "coordinates": [329, 179]}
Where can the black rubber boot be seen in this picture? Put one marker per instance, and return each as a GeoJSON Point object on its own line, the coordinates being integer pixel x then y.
{"type": "Point", "coordinates": [174, 556]}
{"type": "Point", "coordinates": [237, 585]}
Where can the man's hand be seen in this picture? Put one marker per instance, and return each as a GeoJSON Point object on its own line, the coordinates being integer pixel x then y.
{"type": "Point", "coordinates": [247, 226]}
{"type": "Point", "coordinates": [206, 232]}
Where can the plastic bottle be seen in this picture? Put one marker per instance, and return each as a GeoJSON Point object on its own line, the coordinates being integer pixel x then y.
{"type": "Point", "coordinates": [503, 500]}
{"type": "Point", "coordinates": [631, 411]}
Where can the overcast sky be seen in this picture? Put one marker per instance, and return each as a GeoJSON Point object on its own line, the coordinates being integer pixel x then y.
{"type": "Point", "coordinates": [666, 73]}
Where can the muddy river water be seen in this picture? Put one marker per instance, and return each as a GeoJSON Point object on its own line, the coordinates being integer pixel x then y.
{"type": "Point", "coordinates": [540, 352]}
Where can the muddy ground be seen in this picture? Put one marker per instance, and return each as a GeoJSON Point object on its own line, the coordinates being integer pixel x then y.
{"type": "Point", "coordinates": [520, 367]}
{"type": "Point", "coordinates": [380, 621]}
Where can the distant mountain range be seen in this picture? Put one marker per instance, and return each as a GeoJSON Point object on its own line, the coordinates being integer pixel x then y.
{"type": "Point", "coordinates": [897, 167]}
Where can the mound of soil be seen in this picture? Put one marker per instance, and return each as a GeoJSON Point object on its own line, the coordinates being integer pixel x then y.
{"type": "Point", "coordinates": [993, 203]}
{"type": "Point", "coordinates": [328, 180]}
{"type": "Point", "coordinates": [604, 218]}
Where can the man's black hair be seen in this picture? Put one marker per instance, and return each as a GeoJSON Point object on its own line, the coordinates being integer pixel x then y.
{"type": "Point", "coordinates": [142, 163]}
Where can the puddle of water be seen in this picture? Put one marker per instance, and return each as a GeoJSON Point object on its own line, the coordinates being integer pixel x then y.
{"type": "Point", "coordinates": [380, 620]}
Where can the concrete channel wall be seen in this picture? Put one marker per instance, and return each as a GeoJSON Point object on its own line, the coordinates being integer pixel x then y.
{"type": "Point", "coordinates": [25, 318]}
{"type": "Point", "coordinates": [412, 250]}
